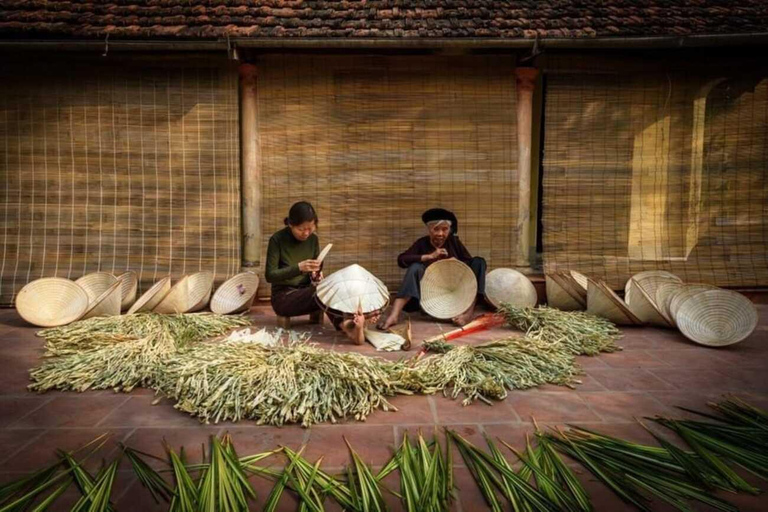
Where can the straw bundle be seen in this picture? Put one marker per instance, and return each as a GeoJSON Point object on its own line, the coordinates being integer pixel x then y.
{"type": "Point", "coordinates": [130, 286]}
{"type": "Point", "coordinates": [689, 291]}
{"type": "Point", "coordinates": [236, 294]}
{"type": "Point", "coordinates": [645, 309]}
{"type": "Point", "coordinates": [51, 301]}
{"type": "Point", "coordinates": [717, 318]}
{"type": "Point", "coordinates": [152, 297]}
{"type": "Point", "coordinates": [448, 289]}
{"type": "Point", "coordinates": [561, 296]}
{"type": "Point", "coordinates": [106, 304]}
{"type": "Point", "coordinates": [602, 301]}
{"type": "Point", "coordinates": [508, 286]}
{"type": "Point", "coordinates": [96, 284]}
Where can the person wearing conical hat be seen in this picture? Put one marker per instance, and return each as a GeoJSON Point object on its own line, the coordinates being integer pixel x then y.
{"type": "Point", "coordinates": [293, 271]}
{"type": "Point", "coordinates": [441, 242]}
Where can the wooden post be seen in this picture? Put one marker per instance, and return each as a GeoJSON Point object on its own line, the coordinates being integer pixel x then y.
{"type": "Point", "coordinates": [525, 80]}
{"type": "Point", "coordinates": [251, 167]}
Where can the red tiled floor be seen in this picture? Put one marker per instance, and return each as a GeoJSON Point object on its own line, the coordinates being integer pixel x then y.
{"type": "Point", "coordinates": [657, 370]}
{"type": "Point", "coordinates": [72, 411]}
{"type": "Point", "coordinates": [551, 407]}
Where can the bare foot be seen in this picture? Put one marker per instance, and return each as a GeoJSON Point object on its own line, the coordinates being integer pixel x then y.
{"type": "Point", "coordinates": [355, 328]}
{"type": "Point", "coordinates": [388, 322]}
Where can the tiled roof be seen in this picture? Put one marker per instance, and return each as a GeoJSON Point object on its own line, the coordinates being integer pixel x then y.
{"type": "Point", "coordinates": [387, 19]}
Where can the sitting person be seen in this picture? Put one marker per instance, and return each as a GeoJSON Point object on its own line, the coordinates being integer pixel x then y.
{"type": "Point", "coordinates": [441, 242]}
{"type": "Point", "coordinates": [293, 271]}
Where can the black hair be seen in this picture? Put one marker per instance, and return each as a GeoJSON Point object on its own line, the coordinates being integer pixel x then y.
{"type": "Point", "coordinates": [300, 213]}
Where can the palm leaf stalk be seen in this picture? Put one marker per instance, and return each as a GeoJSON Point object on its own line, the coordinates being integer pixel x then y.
{"type": "Point", "coordinates": [365, 489]}
{"type": "Point", "coordinates": [147, 476]}
{"type": "Point", "coordinates": [424, 479]}
{"type": "Point", "coordinates": [634, 470]}
{"type": "Point", "coordinates": [489, 473]}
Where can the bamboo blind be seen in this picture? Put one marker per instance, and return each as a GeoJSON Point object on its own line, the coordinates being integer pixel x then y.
{"type": "Point", "coordinates": [656, 171]}
{"type": "Point", "coordinates": [373, 142]}
{"type": "Point", "coordinates": [117, 168]}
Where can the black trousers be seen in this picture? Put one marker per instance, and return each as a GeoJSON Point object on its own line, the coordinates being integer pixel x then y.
{"type": "Point", "coordinates": [411, 287]}
{"type": "Point", "coordinates": [298, 301]}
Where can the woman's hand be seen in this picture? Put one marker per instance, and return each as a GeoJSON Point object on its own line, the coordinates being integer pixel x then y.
{"type": "Point", "coordinates": [437, 254]}
{"type": "Point", "coordinates": [308, 266]}
{"type": "Point", "coordinates": [316, 277]}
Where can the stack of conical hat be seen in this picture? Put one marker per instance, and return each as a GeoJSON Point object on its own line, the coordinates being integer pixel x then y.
{"type": "Point", "coordinates": [508, 286]}
{"type": "Point", "coordinates": [152, 297]}
{"type": "Point", "coordinates": [562, 294]}
{"type": "Point", "coordinates": [129, 288]}
{"type": "Point", "coordinates": [96, 283]}
{"type": "Point", "coordinates": [106, 304]}
{"type": "Point", "coordinates": [650, 280]}
{"type": "Point", "coordinates": [665, 294]}
{"type": "Point", "coordinates": [643, 306]}
{"type": "Point", "coordinates": [352, 288]}
{"type": "Point", "coordinates": [602, 301]}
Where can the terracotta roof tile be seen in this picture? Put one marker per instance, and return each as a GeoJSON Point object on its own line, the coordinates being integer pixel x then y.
{"type": "Point", "coordinates": [211, 19]}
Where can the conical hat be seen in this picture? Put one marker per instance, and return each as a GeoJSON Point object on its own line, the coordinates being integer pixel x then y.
{"type": "Point", "coordinates": [717, 318]}
{"type": "Point", "coordinates": [130, 286]}
{"type": "Point", "coordinates": [602, 301]}
{"type": "Point", "coordinates": [665, 293]}
{"type": "Point", "coordinates": [688, 291]}
{"type": "Point", "coordinates": [176, 300]}
{"type": "Point", "coordinates": [558, 297]}
{"type": "Point", "coordinates": [51, 302]}
{"type": "Point", "coordinates": [96, 283]}
{"type": "Point", "coordinates": [508, 286]}
{"type": "Point", "coordinates": [200, 287]}
{"type": "Point", "coordinates": [152, 297]}
{"type": "Point", "coordinates": [107, 304]}
{"type": "Point", "coordinates": [448, 289]}
{"type": "Point", "coordinates": [572, 286]}
{"type": "Point", "coordinates": [650, 281]}
{"type": "Point", "coordinates": [351, 288]}
{"type": "Point", "coordinates": [644, 308]}
{"type": "Point", "coordinates": [581, 280]}
{"type": "Point", "coordinates": [235, 294]}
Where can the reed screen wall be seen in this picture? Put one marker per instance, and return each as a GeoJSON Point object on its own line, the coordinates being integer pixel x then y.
{"type": "Point", "coordinates": [666, 170]}
{"type": "Point", "coordinates": [372, 142]}
{"type": "Point", "coordinates": [118, 167]}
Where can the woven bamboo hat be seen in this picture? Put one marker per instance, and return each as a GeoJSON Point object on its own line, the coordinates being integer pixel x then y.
{"type": "Point", "coordinates": [129, 282]}
{"type": "Point", "coordinates": [665, 293]}
{"type": "Point", "coordinates": [508, 286]}
{"type": "Point", "coordinates": [200, 288]}
{"type": "Point", "coordinates": [351, 288]}
{"type": "Point", "coordinates": [176, 300]}
{"type": "Point", "coordinates": [581, 282]}
{"type": "Point", "coordinates": [106, 304]}
{"type": "Point", "coordinates": [448, 289]}
{"type": "Point", "coordinates": [51, 302]}
{"type": "Point", "coordinates": [645, 309]}
{"type": "Point", "coordinates": [558, 297]}
{"type": "Point", "coordinates": [152, 297]}
{"type": "Point", "coordinates": [717, 318]}
{"type": "Point", "coordinates": [602, 301]}
{"type": "Point", "coordinates": [235, 294]}
{"type": "Point", "coordinates": [650, 280]}
{"type": "Point", "coordinates": [688, 291]}
{"type": "Point", "coordinates": [96, 283]}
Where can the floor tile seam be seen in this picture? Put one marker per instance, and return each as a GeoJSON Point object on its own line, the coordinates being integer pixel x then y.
{"type": "Point", "coordinates": [118, 406]}
{"type": "Point", "coordinates": [34, 409]}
